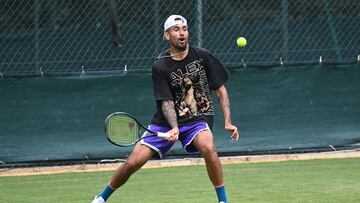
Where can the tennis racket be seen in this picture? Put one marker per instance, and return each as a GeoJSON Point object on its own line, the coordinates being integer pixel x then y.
{"type": "Point", "coordinates": [122, 129]}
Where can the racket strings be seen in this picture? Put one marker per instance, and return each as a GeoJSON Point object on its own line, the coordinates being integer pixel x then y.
{"type": "Point", "coordinates": [123, 130]}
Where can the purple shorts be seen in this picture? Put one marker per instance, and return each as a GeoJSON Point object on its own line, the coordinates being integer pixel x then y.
{"type": "Point", "coordinates": [186, 136]}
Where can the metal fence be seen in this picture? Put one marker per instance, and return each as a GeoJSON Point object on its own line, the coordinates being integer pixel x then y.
{"type": "Point", "coordinates": [40, 37]}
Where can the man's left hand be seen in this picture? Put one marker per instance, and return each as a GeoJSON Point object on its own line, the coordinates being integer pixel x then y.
{"type": "Point", "coordinates": [233, 130]}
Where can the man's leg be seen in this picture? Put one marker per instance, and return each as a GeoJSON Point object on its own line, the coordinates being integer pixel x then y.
{"type": "Point", "coordinates": [139, 156]}
{"type": "Point", "coordinates": [205, 144]}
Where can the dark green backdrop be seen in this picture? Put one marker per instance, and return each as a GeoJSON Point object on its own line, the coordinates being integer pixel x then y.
{"type": "Point", "coordinates": [277, 109]}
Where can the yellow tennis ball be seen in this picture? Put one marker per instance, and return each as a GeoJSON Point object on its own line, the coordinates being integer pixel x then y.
{"type": "Point", "coordinates": [241, 42]}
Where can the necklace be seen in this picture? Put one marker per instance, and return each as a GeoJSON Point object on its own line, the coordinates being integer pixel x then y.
{"type": "Point", "coordinates": [170, 54]}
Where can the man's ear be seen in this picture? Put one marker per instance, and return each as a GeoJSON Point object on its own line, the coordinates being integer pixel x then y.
{"type": "Point", "coordinates": [166, 36]}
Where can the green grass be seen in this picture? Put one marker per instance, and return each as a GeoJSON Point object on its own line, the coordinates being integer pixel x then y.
{"type": "Point", "coordinates": [332, 180]}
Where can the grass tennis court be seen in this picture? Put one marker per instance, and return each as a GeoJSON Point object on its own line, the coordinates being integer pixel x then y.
{"type": "Point", "coordinates": [327, 180]}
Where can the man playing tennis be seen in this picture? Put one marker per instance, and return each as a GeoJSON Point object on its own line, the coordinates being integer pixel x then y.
{"type": "Point", "coordinates": [183, 79]}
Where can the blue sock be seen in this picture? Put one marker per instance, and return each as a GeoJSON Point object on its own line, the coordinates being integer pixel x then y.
{"type": "Point", "coordinates": [221, 193]}
{"type": "Point", "coordinates": [107, 192]}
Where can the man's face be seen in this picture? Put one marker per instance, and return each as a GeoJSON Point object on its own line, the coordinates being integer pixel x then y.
{"type": "Point", "coordinates": [178, 36]}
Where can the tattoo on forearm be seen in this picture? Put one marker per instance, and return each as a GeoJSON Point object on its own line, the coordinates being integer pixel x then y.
{"type": "Point", "coordinates": [224, 103]}
{"type": "Point", "coordinates": [168, 109]}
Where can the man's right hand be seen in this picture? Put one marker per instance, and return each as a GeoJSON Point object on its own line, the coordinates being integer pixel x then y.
{"type": "Point", "coordinates": [174, 135]}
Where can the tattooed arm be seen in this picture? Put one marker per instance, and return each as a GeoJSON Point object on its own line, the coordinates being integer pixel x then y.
{"type": "Point", "coordinates": [224, 103]}
{"type": "Point", "coordinates": [168, 109]}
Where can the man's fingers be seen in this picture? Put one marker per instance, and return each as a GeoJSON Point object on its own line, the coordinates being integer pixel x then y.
{"type": "Point", "coordinates": [235, 134]}
{"type": "Point", "coordinates": [172, 138]}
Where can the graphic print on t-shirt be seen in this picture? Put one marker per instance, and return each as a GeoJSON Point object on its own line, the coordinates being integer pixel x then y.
{"type": "Point", "coordinates": [192, 93]}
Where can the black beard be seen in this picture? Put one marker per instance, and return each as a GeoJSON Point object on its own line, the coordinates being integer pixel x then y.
{"type": "Point", "coordinates": [180, 48]}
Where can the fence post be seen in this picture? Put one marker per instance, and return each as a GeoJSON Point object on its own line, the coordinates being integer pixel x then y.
{"type": "Point", "coordinates": [331, 24]}
{"type": "Point", "coordinates": [285, 27]}
{"type": "Point", "coordinates": [199, 23]}
{"type": "Point", "coordinates": [156, 25]}
{"type": "Point", "coordinates": [36, 37]}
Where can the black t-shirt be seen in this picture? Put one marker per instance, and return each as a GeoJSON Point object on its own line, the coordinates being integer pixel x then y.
{"type": "Point", "coordinates": [188, 83]}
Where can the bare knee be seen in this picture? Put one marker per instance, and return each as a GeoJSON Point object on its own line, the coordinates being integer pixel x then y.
{"type": "Point", "coordinates": [140, 155]}
{"type": "Point", "coordinates": [208, 150]}
{"type": "Point", "coordinates": [133, 165]}
{"type": "Point", "coordinates": [204, 143]}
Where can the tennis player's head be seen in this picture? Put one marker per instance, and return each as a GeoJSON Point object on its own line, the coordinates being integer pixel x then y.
{"type": "Point", "coordinates": [176, 32]}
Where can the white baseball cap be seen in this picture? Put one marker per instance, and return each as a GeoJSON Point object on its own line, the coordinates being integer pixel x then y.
{"type": "Point", "coordinates": [174, 20]}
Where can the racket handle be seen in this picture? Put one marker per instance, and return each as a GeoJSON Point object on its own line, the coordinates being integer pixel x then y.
{"type": "Point", "coordinates": [163, 135]}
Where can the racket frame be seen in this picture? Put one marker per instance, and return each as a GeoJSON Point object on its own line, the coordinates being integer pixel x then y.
{"type": "Point", "coordinates": [139, 137]}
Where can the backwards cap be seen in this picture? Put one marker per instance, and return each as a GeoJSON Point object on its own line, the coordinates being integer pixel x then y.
{"type": "Point", "coordinates": [174, 20]}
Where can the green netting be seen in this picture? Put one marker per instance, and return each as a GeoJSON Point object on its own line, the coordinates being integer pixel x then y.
{"type": "Point", "coordinates": [299, 108]}
{"type": "Point", "coordinates": [64, 36]}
